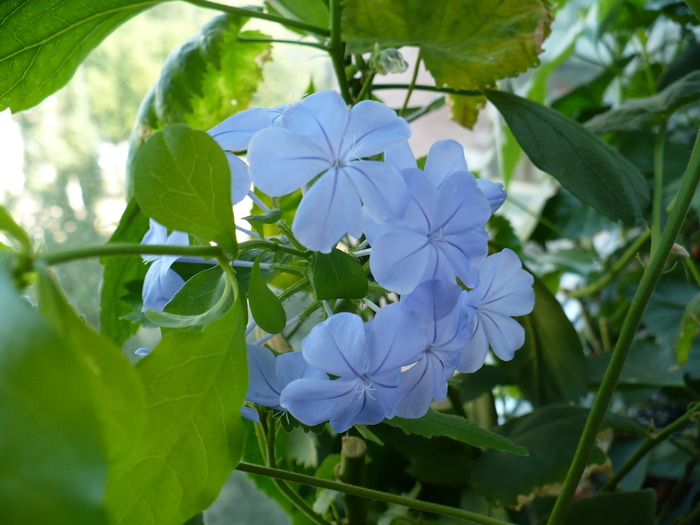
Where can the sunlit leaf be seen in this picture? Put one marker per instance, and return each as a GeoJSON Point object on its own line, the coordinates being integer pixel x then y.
{"type": "Point", "coordinates": [14, 230]}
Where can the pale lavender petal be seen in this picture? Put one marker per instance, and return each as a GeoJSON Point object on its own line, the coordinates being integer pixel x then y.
{"type": "Point", "coordinates": [433, 299]}
{"type": "Point", "coordinates": [313, 401]}
{"type": "Point", "coordinates": [399, 260]}
{"type": "Point", "coordinates": [507, 288]}
{"type": "Point", "coordinates": [337, 345]}
{"type": "Point", "coordinates": [444, 158]}
{"type": "Point", "coordinates": [281, 161]}
{"type": "Point", "coordinates": [372, 128]}
{"type": "Point", "coordinates": [397, 337]}
{"type": "Point", "coordinates": [263, 385]}
{"type": "Point", "coordinates": [494, 193]}
{"type": "Point", "coordinates": [462, 206]}
{"type": "Point", "coordinates": [504, 334]}
{"type": "Point", "coordinates": [401, 157]}
{"type": "Point", "coordinates": [250, 413]}
{"type": "Point", "coordinates": [420, 385]}
{"type": "Point", "coordinates": [235, 132]}
{"type": "Point", "coordinates": [424, 201]}
{"type": "Point", "coordinates": [474, 355]}
{"type": "Point", "coordinates": [329, 210]}
{"type": "Point", "coordinates": [461, 255]}
{"type": "Point", "coordinates": [321, 117]}
{"type": "Point", "coordinates": [364, 409]}
{"type": "Point", "coordinates": [380, 186]}
{"type": "Point", "coordinates": [292, 365]}
{"type": "Point", "coordinates": [240, 179]}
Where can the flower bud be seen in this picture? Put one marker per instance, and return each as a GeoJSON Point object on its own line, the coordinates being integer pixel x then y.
{"type": "Point", "coordinates": [389, 61]}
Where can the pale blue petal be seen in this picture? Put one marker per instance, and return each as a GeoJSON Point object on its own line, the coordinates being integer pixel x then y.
{"type": "Point", "coordinates": [397, 337]}
{"type": "Point", "coordinates": [313, 401]}
{"type": "Point", "coordinates": [235, 132]}
{"type": "Point", "coordinates": [321, 117]}
{"type": "Point", "coordinates": [329, 210]}
{"type": "Point", "coordinates": [506, 288]}
{"type": "Point", "coordinates": [401, 157]}
{"type": "Point", "coordinates": [338, 346]}
{"type": "Point", "coordinates": [433, 299]}
{"type": "Point", "coordinates": [250, 413]}
{"type": "Point", "coordinates": [462, 205]}
{"type": "Point", "coordinates": [424, 202]}
{"type": "Point", "coordinates": [420, 385]}
{"type": "Point", "coordinates": [159, 285]}
{"type": "Point", "coordinates": [240, 179]}
{"type": "Point", "coordinates": [444, 158]}
{"type": "Point", "coordinates": [372, 128]}
{"type": "Point", "coordinates": [263, 385]}
{"type": "Point", "coordinates": [504, 334]}
{"type": "Point", "coordinates": [380, 186]}
{"type": "Point", "coordinates": [281, 161]}
{"type": "Point", "coordinates": [399, 260]}
{"type": "Point", "coordinates": [292, 365]}
{"type": "Point", "coordinates": [459, 256]}
{"type": "Point", "coordinates": [474, 355]}
{"type": "Point", "coordinates": [364, 409]}
{"type": "Point", "coordinates": [494, 193]}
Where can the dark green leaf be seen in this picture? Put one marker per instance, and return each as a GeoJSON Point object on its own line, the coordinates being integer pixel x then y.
{"type": "Point", "coordinates": [194, 435]}
{"type": "Point", "coordinates": [550, 435]}
{"type": "Point", "coordinates": [620, 508]}
{"type": "Point", "coordinates": [689, 329]}
{"type": "Point", "coordinates": [549, 368]}
{"type": "Point", "coordinates": [453, 44]}
{"type": "Point", "coordinates": [682, 92]}
{"type": "Point", "coordinates": [182, 180]}
{"type": "Point", "coordinates": [117, 299]}
{"type": "Point", "coordinates": [271, 217]}
{"type": "Point", "coordinates": [337, 275]}
{"type": "Point", "coordinates": [585, 165]}
{"type": "Point", "coordinates": [666, 307]}
{"type": "Point", "coordinates": [43, 43]}
{"type": "Point", "coordinates": [203, 299]}
{"type": "Point", "coordinates": [14, 230]}
{"type": "Point", "coordinates": [454, 427]}
{"type": "Point", "coordinates": [313, 12]}
{"type": "Point", "coordinates": [266, 308]}
{"type": "Point", "coordinates": [52, 459]}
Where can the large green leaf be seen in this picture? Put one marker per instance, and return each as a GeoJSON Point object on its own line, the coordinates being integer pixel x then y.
{"type": "Point", "coordinates": [589, 168]}
{"type": "Point", "coordinates": [52, 461]}
{"type": "Point", "coordinates": [617, 508]}
{"type": "Point", "coordinates": [313, 12]}
{"type": "Point", "coordinates": [550, 435]}
{"type": "Point", "coordinates": [465, 44]}
{"type": "Point", "coordinates": [438, 424]}
{"type": "Point", "coordinates": [14, 230]}
{"type": "Point", "coordinates": [266, 308]}
{"type": "Point", "coordinates": [194, 435]}
{"type": "Point", "coordinates": [182, 180]}
{"type": "Point", "coordinates": [337, 275]}
{"type": "Point", "coordinates": [118, 297]}
{"type": "Point", "coordinates": [682, 92]}
{"type": "Point", "coordinates": [550, 367]}
{"type": "Point", "coordinates": [43, 43]}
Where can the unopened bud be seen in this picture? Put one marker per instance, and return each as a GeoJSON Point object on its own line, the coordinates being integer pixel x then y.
{"type": "Point", "coordinates": [389, 61]}
{"type": "Point", "coordinates": [679, 250]}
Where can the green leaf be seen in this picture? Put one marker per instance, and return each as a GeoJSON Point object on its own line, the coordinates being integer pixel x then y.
{"type": "Point", "coordinates": [117, 298]}
{"type": "Point", "coordinates": [550, 435]}
{"type": "Point", "coordinates": [617, 508]}
{"type": "Point", "coordinates": [43, 43]}
{"type": "Point", "coordinates": [194, 436]}
{"type": "Point", "coordinates": [313, 12]}
{"type": "Point", "coordinates": [589, 168]}
{"type": "Point", "coordinates": [52, 460]}
{"type": "Point", "coordinates": [633, 112]}
{"type": "Point", "coordinates": [455, 48]}
{"type": "Point", "coordinates": [203, 299]}
{"type": "Point", "coordinates": [483, 380]}
{"type": "Point", "coordinates": [550, 366]}
{"type": "Point", "coordinates": [182, 180]}
{"type": "Point", "coordinates": [337, 275]}
{"type": "Point", "coordinates": [454, 427]}
{"type": "Point", "coordinates": [266, 308]}
{"type": "Point", "coordinates": [14, 230]}
{"type": "Point", "coordinates": [465, 110]}
{"type": "Point", "coordinates": [689, 329]}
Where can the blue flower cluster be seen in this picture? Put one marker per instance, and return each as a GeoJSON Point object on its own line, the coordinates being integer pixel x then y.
{"type": "Point", "coordinates": [426, 229]}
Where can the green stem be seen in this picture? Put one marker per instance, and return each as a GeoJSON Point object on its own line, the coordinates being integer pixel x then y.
{"type": "Point", "coordinates": [423, 87]}
{"type": "Point", "coordinates": [282, 41]}
{"type": "Point", "coordinates": [616, 268]}
{"type": "Point", "coordinates": [120, 249]}
{"type": "Point", "coordinates": [366, 87]}
{"type": "Point", "coordinates": [294, 288]}
{"type": "Point", "coordinates": [363, 492]}
{"type": "Point", "coordinates": [351, 470]}
{"type": "Point", "coordinates": [650, 278]}
{"type": "Point", "coordinates": [336, 50]}
{"type": "Point", "coordinates": [290, 235]}
{"type": "Point", "coordinates": [658, 183]}
{"type": "Point", "coordinates": [271, 247]}
{"type": "Point", "coordinates": [649, 443]}
{"type": "Point", "coordinates": [428, 108]}
{"type": "Point", "coordinates": [411, 86]}
{"type": "Point", "coordinates": [262, 16]}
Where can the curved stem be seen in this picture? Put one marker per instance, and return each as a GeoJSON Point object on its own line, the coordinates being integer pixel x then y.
{"type": "Point", "coordinates": [423, 87]}
{"type": "Point", "coordinates": [649, 443]}
{"type": "Point", "coordinates": [650, 278]}
{"type": "Point", "coordinates": [337, 51]}
{"type": "Point", "coordinates": [120, 249]}
{"type": "Point", "coordinates": [271, 247]}
{"type": "Point", "coordinates": [262, 16]}
{"type": "Point", "coordinates": [411, 86]}
{"type": "Point", "coordinates": [363, 492]}
{"type": "Point", "coordinates": [282, 41]}
{"type": "Point", "coordinates": [658, 183]}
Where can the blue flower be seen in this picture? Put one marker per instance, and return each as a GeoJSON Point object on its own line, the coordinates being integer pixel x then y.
{"type": "Point", "coordinates": [365, 358]}
{"type": "Point", "coordinates": [161, 282]}
{"type": "Point", "coordinates": [441, 235]}
{"type": "Point", "coordinates": [494, 193]}
{"type": "Point", "coordinates": [234, 133]}
{"type": "Point", "coordinates": [449, 328]}
{"type": "Point", "coordinates": [505, 290]}
{"type": "Point", "coordinates": [319, 136]}
{"type": "Point", "coordinates": [269, 374]}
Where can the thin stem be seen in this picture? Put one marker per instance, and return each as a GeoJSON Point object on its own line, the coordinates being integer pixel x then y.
{"type": "Point", "coordinates": [296, 270]}
{"type": "Point", "coordinates": [259, 14]}
{"type": "Point", "coordinates": [120, 249]}
{"type": "Point", "coordinates": [257, 200]}
{"type": "Point", "coordinates": [336, 50]}
{"type": "Point", "coordinates": [290, 235]}
{"type": "Point", "coordinates": [425, 110]}
{"type": "Point", "coordinates": [366, 86]}
{"type": "Point", "coordinates": [249, 233]}
{"type": "Point", "coordinates": [650, 278]}
{"type": "Point", "coordinates": [282, 41]}
{"type": "Point", "coordinates": [424, 87]}
{"type": "Point", "coordinates": [411, 85]}
{"type": "Point", "coordinates": [294, 288]}
{"type": "Point", "coordinates": [649, 443]}
{"type": "Point", "coordinates": [617, 267]}
{"type": "Point", "coordinates": [363, 492]}
{"type": "Point", "coordinates": [271, 247]}
{"type": "Point", "coordinates": [658, 184]}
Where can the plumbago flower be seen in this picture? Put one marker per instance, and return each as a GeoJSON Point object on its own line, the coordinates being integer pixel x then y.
{"type": "Point", "coordinates": [319, 137]}
{"type": "Point", "coordinates": [505, 290]}
{"type": "Point", "coordinates": [449, 328]}
{"type": "Point", "coordinates": [366, 358]}
{"type": "Point", "coordinates": [161, 282]}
